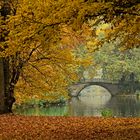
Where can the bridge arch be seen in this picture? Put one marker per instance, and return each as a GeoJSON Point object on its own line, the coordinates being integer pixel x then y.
{"type": "Point", "coordinates": [94, 85]}
{"type": "Point", "coordinates": [114, 87]}
{"type": "Point", "coordinates": [75, 89]}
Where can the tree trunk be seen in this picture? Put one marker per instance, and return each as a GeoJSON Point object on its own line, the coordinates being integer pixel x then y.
{"type": "Point", "coordinates": [6, 95]}
{"type": "Point", "coordinates": [4, 105]}
{"type": "Point", "coordinates": [2, 95]}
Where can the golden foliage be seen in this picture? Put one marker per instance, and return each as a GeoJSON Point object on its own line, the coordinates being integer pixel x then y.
{"type": "Point", "coordinates": [38, 38]}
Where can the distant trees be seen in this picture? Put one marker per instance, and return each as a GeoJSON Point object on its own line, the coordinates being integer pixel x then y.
{"type": "Point", "coordinates": [116, 63]}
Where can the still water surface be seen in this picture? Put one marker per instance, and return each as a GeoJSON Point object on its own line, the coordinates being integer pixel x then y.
{"type": "Point", "coordinates": [91, 102]}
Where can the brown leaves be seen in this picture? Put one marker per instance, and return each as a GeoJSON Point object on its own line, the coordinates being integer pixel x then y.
{"type": "Point", "coordinates": [63, 128]}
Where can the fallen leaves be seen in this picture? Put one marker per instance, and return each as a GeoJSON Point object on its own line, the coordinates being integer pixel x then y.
{"type": "Point", "coordinates": [15, 127]}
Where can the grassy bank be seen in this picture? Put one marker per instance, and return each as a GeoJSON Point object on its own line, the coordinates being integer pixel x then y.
{"type": "Point", "coordinates": [13, 127]}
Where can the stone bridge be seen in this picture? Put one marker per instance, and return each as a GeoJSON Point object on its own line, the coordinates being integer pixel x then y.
{"type": "Point", "coordinates": [114, 87]}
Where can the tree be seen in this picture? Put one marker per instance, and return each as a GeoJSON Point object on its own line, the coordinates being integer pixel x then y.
{"type": "Point", "coordinates": [117, 64]}
{"type": "Point", "coordinates": [31, 39]}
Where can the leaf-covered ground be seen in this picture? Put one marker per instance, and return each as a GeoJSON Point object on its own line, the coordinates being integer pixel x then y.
{"type": "Point", "coordinates": [13, 127]}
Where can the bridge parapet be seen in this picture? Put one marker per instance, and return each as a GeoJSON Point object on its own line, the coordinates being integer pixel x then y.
{"type": "Point", "coordinates": [98, 80]}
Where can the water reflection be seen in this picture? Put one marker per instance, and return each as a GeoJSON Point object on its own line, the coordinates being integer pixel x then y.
{"type": "Point", "coordinates": [38, 111]}
{"type": "Point", "coordinates": [120, 106]}
{"type": "Point", "coordinates": [96, 99]}
{"type": "Point", "coordinates": [126, 106]}
{"type": "Point", "coordinates": [91, 102]}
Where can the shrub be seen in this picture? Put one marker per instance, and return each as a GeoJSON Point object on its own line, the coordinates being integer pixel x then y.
{"type": "Point", "coordinates": [107, 113]}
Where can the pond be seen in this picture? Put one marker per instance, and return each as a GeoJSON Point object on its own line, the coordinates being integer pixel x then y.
{"type": "Point", "coordinates": [91, 102]}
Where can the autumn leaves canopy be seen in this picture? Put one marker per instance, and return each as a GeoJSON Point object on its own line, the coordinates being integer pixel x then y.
{"type": "Point", "coordinates": [39, 38]}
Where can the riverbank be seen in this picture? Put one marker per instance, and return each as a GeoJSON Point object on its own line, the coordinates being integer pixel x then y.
{"type": "Point", "coordinates": [16, 127]}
